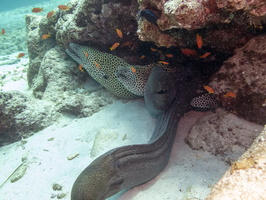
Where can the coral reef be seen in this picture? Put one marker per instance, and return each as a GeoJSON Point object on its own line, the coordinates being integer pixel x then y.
{"type": "Point", "coordinates": [218, 16]}
{"type": "Point", "coordinates": [244, 74]}
{"type": "Point", "coordinates": [222, 133]}
{"type": "Point", "coordinates": [21, 115]}
{"type": "Point", "coordinates": [246, 177]}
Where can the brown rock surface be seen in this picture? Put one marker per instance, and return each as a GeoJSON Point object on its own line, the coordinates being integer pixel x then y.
{"type": "Point", "coordinates": [246, 179]}
{"type": "Point", "coordinates": [245, 75]}
{"type": "Point", "coordinates": [222, 133]}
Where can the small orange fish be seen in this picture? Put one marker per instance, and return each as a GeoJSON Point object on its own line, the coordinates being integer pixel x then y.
{"type": "Point", "coordinates": [163, 62]}
{"type": "Point", "coordinates": [37, 10]}
{"type": "Point", "coordinates": [209, 89]}
{"type": "Point", "coordinates": [169, 55]}
{"type": "Point", "coordinates": [188, 52]}
{"type": "Point", "coordinates": [119, 33]}
{"type": "Point", "coordinates": [153, 49]}
{"type": "Point", "coordinates": [45, 36]}
{"type": "Point", "coordinates": [86, 54]}
{"type": "Point", "coordinates": [230, 94]}
{"type": "Point", "coordinates": [3, 32]}
{"type": "Point", "coordinates": [142, 57]}
{"type": "Point", "coordinates": [128, 43]}
{"type": "Point", "coordinates": [81, 68]}
{"type": "Point", "coordinates": [133, 69]}
{"type": "Point", "coordinates": [20, 55]}
{"type": "Point", "coordinates": [205, 55]}
{"type": "Point", "coordinates": [115, 45]}
{"type": "Point", "coordinates": [50, 14]}
{"type": "Point", "coordinates": [63, 7]}
{"type": "Point", "coordinates": [199, 41]}
{"type": "Point", "coordinates": [96, 64]}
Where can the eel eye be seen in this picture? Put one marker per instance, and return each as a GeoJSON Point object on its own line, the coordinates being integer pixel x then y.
{"type": "Point", "coordinates": [162, 92]}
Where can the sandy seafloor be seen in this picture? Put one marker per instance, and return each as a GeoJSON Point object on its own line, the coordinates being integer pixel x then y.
{"type": "Point", "coordinates": [188, 176]}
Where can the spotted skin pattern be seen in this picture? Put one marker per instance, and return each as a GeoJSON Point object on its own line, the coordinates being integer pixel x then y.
{"type": "Point", "coordinates": [103, 67]}
{"type": "Point", "coordinates": [204, 102]}
{"type": "Point", "coordinates": [134, 80]}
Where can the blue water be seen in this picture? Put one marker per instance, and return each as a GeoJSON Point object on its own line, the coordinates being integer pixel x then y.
{"type": "Point", "coordinates": [6, 5]}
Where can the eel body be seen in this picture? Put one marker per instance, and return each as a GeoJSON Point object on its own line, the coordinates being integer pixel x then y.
{"type": "Point", "coordinates": [103, 67]}
{"type": "Point", "coordinates": [129, 166]}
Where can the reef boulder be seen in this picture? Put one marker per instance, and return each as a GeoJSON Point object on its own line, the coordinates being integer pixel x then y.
{"type": "Point", "coordinates": [245, 75]}
{"type": "Point", "coordinates": [222, 133]}
{"type": "Point", "coordinates": [21, 115]}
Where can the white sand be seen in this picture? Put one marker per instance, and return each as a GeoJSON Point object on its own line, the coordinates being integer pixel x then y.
{"type": "Point", "coordinates": [189, 174]}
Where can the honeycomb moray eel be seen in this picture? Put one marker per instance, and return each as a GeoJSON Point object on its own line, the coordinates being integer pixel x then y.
{"type": "Point", "coordinates": [103, 67]}
{"type": "Point", "coordinates": [125, 167]}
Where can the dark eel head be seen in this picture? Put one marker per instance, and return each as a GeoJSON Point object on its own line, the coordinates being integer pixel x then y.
{"type": "Point", "coordinates": [159, 91]}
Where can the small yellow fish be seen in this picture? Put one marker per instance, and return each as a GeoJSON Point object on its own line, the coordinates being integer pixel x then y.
{"type": "Point", "coordinates": [119, 33]}
{"type": "Point", "coordinates": [163, 62]}
{"type": "Point", "coordinates": [115, 45]}
{"type": "Point", "coordinates": [44, 37]}
{"type": "Point", "coordinates": [81, 68]}
{"type": "Point", "coordinates": [209, 89]}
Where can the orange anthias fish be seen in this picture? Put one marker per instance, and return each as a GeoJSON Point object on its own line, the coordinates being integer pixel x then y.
{"type": "Point", "coordinates": [86, 54]}
{"type": "Point", "coordinates": [205, 55]}
{"type": "Point", "coordinates": [199, 41]}
{"type": "Point", "coordinates": [119, 33]}
{"type": "Point", "coordinates": [3, 32]}
{"type": "Point", "coordinates": [37, 10]}
{"type": "Point", "coordinates": [50, 14]}
{"type": "Point", "coordinates": [209, 89]}
{"type": "Point", "coordinates": [45, 36]}
{"type": "Point", "coordinates": [96, 64]}
{"type": "Point", "coordinates": [169, 55]}
{"type": "Point", "coordinates": [153, 49]}
{"type": "Point", "coordinates": [81, 68]}
{"type": "Point", "coordinates": [133, 69]}
{"type": "Point", "coordinates": [128, 43]}
{"type": "Point", "coordinates": [188, 52]}
{"type": "Point", "coordinates": [142, 57]}
{"type": "Point", "coordinates": [163, 62]}
{"type": "Point", "coordinates": [230, 94]}
{"type": "Point", "coordinates": [115, 45]}
{"type": "Point", "coordinates": [20, 55]}
{"type": "Point", "coordinates": [63, 7]}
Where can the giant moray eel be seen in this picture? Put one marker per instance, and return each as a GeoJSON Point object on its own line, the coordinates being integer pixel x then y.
{"type": "Point", "coordinates": [103, 67]}
{"type": "Point", "coordinates": [129, 166]}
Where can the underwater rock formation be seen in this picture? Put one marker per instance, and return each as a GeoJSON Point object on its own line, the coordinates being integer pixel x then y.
{"type": "Point", "coordinates": [96, 21]}
{"type": "Point", "coordinates": [244, 74]}
{"type": "Point", "coordinates": [246, 177]}
{"type": "Point", "coordinates": [60, 81]}
{"type": "Point", "coordinates": [178, 19]}
{"type": "Point", "coordinates": [222, 133]}
{"type": "Point", "coordinates": [21, 115]}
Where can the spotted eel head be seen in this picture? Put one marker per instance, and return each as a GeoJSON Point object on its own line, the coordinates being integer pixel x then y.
{"type": "Point", "coordinates": [75, 52]}
{"type": "Point", "coordinates": [131, 80]}
{"type": "Point", "coordinates": [205, 102]}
